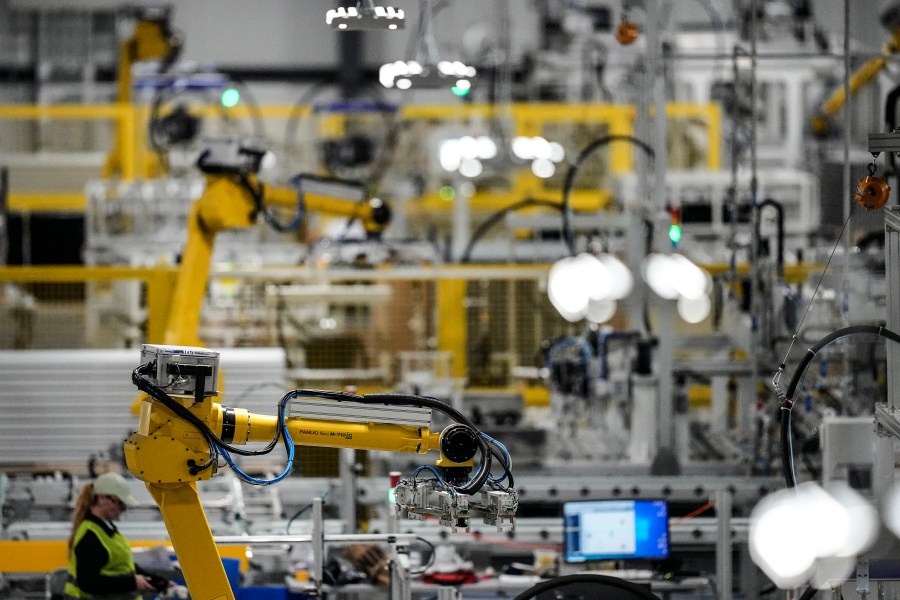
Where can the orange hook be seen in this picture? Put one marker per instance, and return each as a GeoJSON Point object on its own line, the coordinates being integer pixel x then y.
{"type": "Point", "coordinates": [873, 192]}
{"type": "Point", "coordinates": [626, 33]}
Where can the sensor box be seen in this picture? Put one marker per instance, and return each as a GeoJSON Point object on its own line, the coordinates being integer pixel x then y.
{"type": "Point", "coordinates": [176, 369]}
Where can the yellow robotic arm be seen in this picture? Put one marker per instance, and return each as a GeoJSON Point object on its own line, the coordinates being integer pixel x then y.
{"type": "Point", "coordinates": [152, 39]}
{"type": "Point", "coordinates": [821, 121]}
{"type": "Point", "coordinates": [183, 430]}
{"type": "Point", "coordinates": [234, 199]}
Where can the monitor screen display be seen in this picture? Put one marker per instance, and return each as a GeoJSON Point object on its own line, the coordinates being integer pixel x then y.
{"type": "Point", "coordinates": [615, 529]}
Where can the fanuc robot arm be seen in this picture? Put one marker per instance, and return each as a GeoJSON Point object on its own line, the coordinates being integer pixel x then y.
{"type": "Point", "coordinates": [184, 431]}
{"type": "Point", "coordinates": [235, 199]}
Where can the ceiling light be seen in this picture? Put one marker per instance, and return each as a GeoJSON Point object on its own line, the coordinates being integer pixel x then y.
{"type": "Point", "coordinates": [365, 16]}
{"type": "Point", "coordinates": [432, 71]}
{"type": "Point", "coordinates": [425, 76]}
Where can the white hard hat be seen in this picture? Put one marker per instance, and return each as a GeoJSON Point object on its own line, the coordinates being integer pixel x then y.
{"type": "Point", "coordinates": [113, 484]}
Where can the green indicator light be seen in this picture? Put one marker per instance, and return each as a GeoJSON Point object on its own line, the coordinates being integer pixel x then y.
{"type": "Point", "coordinates": [392, 496]}
{"type": "Point", "coordinates": [447, 193]}
{"type": "Point", "coordinates": [675, 233]}
{"type": "Point", "coordinates": [462, 87]}
{"type": "Point", "coordinates": [230, 98]}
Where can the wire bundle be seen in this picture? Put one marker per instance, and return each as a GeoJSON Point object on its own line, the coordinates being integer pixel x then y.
{"type": "Point", "coordinates": [217, 447]}
{"type": "Point", "coordinates": [787, 404]}
{"type": "Point", "coordinates": [488, 447]}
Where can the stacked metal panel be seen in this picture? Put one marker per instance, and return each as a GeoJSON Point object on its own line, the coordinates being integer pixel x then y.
{"type": "Point", "coordinates": [60, 407]}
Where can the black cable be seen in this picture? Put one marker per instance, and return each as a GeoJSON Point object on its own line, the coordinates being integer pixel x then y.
{"type": "Point", "coordinates": [422, 401]}
{"type": "Point", "coordinates": [303, 509]}
{"type": "Point", "coordinates": [487, 451]}
{"type": "Point", "coordinates": [476, 484]}
{"type": "Point", "coordinates": [632, 590]}
{"type": "Point", "coordinates": [503, 463]}
{"type": "Point", "coordinates": [787, 405]}
{"type": "Point", "coordinates": [258, 195]}
{"type": "Point", "coordinates": [495, 218]}
{"type": "Point", "coordinates": [431, 557]}
{"type": "Point", "coordinates": [146, 386]}
{"type": "Point", "coordinates": [567, 230]}
{"type": "Point", "coordinates": [156, 393]}
{"type": "Point", "coordinates": [808, 593]}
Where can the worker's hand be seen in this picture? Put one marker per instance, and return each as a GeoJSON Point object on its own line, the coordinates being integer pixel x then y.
{"type": "Point", "coordinates": [142, 584]}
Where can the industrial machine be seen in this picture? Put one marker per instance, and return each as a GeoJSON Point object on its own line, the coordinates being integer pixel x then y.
{"type": "Point", "coordinates": [184, 431]}
{"type": "Point", "coordinates": [234, 199]}
{"type": "Point", "coordinates": [153, 39]}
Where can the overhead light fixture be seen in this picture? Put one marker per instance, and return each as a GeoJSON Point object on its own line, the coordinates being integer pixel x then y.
{"type": "Point", "coordinates": [365, 16]}
{"type": "Point", "coordinates": [800, 534]}
{"type": "Point", "coordinates": [467, 154]}
{"type": "Point", "coordinates": [675, 277]}
{"type": "Point", "coordinates": [588, 286]}
{"type": "Point", "coordinates": [427, 70]}
{"type": "Point", "coordinates": [407, 74]}
{"type": "Point", "coordinates": [543, 154]}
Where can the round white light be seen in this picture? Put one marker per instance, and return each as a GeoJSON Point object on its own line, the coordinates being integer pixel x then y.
{"type": "Point", "coordinates": [863, 520]}
{"type": "Point", "coordinates": [470, 167]}
{"type": "Point", "coordinates": [521, 147]}
{"type": "Point", "coordinates": [543, 168]}
{"type": "Point", "coordinates": [541, 148]}
{"type": "Point", "coordinates": [566, 290]}
{"type": "Point", "coordinates": [414, 67]}
{"type": "Point", "coordinates": [826, 519]}
{"type": "Point", "coordinates": [691, 281]}
{"type": "Point", "coordinates": [463, 84]}
{"type": "Point", "coordinates": [620, 277]}
{"type": "Point", "coordinates": [450, 155]}
{"type": "Point", "coordinates": [468, 147]}
{"type": "Point", "coordinates": [593, 275]}
{"type": "Point", "coordinates": [600, 311]}
{"type": "Point", "coordinates": [386, 75]}
{"type": "Point", "coordinates": [694, 310]}
{"type": "Point", "coordinates": [487, 148]}
{"type": "Point", "coordinates": [404, 83]}
{"type": "Point", "coordinates": [660, 276]}
{"type": "Point", "coordinates": [778, 542]}
{"type": "Point", "coordinates": [890, 510]}
{"type": "Point", "coordinates": [557, 152]}
{"type": "Point", "coordinates": [445, 67]}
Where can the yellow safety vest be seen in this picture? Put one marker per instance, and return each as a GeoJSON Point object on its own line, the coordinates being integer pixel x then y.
{"type": "Point", "coordinates": [120, 560]}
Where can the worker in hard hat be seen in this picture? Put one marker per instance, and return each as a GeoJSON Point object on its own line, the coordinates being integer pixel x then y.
{"type": "Point", "coordinates": [100, 559]}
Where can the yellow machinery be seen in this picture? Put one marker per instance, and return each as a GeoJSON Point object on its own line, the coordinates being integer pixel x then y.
{"type": "Point", "coordinates": [890, 19]}
{"type": "Point", "coordinates": [181, 436]}
{"type": "Point", "coordinates": [153, 39]}
{"type": "Point", "coordinates": [234, 199]}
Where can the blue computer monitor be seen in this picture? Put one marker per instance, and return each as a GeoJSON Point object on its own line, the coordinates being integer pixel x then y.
{"type": "Point", "coordinates": [595, 530]}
